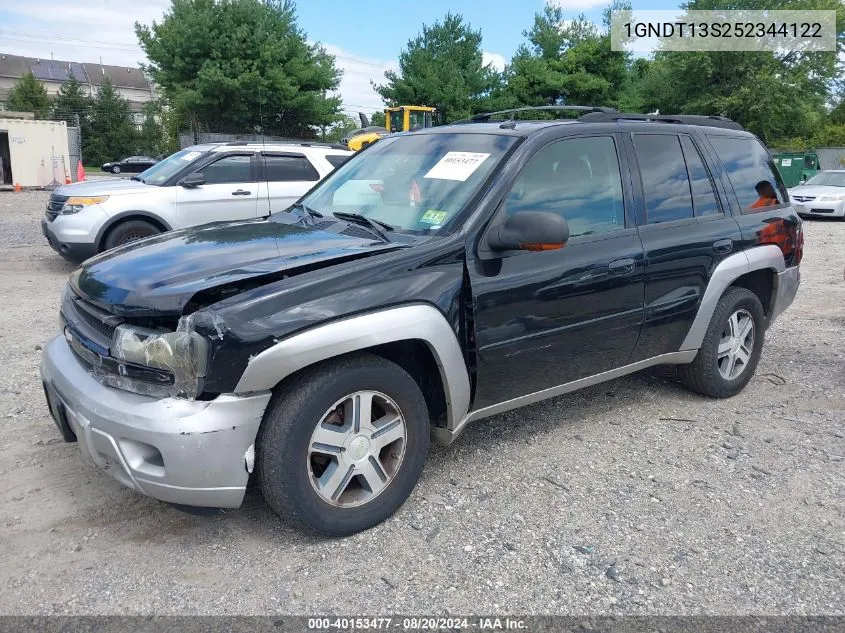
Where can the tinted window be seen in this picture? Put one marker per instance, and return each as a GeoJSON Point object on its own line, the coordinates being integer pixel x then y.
{"type": "Point", "coordinates": [664, 177]}
{"type": "Point", "coordinates": [751, 172]}
{"type": "Point", "coordinates": [577, 178]}
{"type": "Point", "coordinates": [703, 195]}
{"type": "Point", "coordinates": [336, 160]}
{"type": "Point", "coordinates": [288, 169]}
{"type": "Point", "coordinates": [229, 169]}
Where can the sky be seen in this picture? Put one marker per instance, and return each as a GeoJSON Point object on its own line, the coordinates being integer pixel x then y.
{"type": "Point", "coordinates": [366, 36]}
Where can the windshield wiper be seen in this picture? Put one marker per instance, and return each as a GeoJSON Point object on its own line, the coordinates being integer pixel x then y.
{"type": "Point", "coordinates": [308, 214]}
{"type": "Point", "coordinates": [362, 220]}
{"type": "Point", "coordinates": [139, 179]}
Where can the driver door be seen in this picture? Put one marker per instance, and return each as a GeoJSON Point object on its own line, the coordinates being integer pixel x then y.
{"type": "Point", "coordinates": [230, 192]}
{"type": "Point", "coordinates": [546, 318]}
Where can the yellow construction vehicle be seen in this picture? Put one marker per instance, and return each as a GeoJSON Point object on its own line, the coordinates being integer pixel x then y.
{"type": "Point", "coordinates": [397, 119]}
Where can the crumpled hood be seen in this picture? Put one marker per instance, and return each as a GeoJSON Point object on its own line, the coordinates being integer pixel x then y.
{"type": "Point", "coordinates": [111, 186]}
{"type": "Point", "coordinates": [159, 275]}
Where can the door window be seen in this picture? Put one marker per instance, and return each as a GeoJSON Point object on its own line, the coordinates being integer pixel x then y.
{"type": "Point", "coordinates": [752, 173]}
{"type": "Point", "coordinates": [577, 178]}
{"type": "Point", "coordinates": [703, 196]}
{"type": "Point", "coordinates": [664, 176]}
{"type": "Point", "coordinates": [229, 169]}
{"type": "Point", "coordinates": [288, 169]}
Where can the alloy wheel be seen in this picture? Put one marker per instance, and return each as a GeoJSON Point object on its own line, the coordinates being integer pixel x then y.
{"type": "Point", "coordinates": [356, 449]}
{"type": "Point", "coordinates": [736, 345]}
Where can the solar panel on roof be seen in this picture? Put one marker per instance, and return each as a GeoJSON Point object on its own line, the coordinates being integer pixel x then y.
{"type": "Point", "coordinates": [56, 70]}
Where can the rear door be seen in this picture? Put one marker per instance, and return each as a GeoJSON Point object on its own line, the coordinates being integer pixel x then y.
{"type": "Point", "coordinates": [686, 230]}
{"type": "Point", "coordinates": [284, 178]}
{"type": "Point", "coordinates": [543, 319]}
{"type": "Point", "coordinates": [230, 192]}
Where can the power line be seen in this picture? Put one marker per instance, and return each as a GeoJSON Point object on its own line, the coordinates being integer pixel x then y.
{"type": "Point", "coordinates": [66, 41]}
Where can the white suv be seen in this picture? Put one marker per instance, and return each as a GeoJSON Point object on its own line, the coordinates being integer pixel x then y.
{"type": "Point", "coordinates": [200, 184]}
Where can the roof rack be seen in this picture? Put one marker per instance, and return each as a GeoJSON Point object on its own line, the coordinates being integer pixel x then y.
{"type": "Point", "coordinates": [486, 116]}
{"type": "Point", "coordinates": [685, 119]}
{"type": "Point", "coordinates": [287, 142]}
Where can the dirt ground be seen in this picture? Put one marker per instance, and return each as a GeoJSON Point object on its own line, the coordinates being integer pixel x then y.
{"type": "Point", "coordinates": [633, 497]}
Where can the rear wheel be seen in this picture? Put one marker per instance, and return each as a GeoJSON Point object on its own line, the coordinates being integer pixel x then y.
{"type": "Point", "coordinates": [343, 445]}
{"type": "Point", "coordinates": [731, 348]}
{"type": "Point", "coordinates": [128, 231]}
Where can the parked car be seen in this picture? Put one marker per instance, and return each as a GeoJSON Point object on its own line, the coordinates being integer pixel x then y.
{"type": "Point", "coordinates": [200, 184]}
{"type": "Point", "coordinates": [134, 164]}
{"type": "Point", "coordinates": [438, 278]}
{"type": "Point", "coordinates": [822, 195]}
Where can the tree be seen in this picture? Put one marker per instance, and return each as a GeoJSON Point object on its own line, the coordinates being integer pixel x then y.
{"type": "Point", "coordinates": [564, 62]}
{"type": "Point", "coordinates": [113, 134]}
{"type": "Point", "coordinates": [442, 67]}
{"type": "Point", "coordinates": [151, 139]}
{"type": "Point", "coordinates": [235, 65]}
{"type": "Point", "coordinates": [378, 119]}
{"type": "Point", "coordinates": [775, 95]}
{"type": "Point", "coordinates": [72, 100]}
{"type": "Point", "coordinates": [340, 129]}
{"type": "Point", "coordinates": [29, 95]}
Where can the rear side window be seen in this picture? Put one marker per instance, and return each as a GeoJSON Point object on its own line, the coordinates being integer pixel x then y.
{"type": "Point", "coordinates": [289, 169]}
{"type": "Point", "coordinates": [664, 176]}
{"type": "Point", "coordinates": [336, 160]}
{"type": "Point", "coordinates": [752, 173]}
{"type": "Point", "coordinates": [703, 197]}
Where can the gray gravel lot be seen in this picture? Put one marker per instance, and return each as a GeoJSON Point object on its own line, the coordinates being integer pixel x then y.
{"type": "Point", "coordinates": [632, 497]}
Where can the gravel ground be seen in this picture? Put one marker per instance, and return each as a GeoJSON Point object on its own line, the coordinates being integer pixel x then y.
{"type": "Point", "coordinates": [633, 497]}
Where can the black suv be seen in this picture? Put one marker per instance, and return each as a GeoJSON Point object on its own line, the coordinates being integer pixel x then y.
{"type": "Point", "coordinates": [436, 278]}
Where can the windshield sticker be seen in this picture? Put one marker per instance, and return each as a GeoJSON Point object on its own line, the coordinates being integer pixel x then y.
{"type": "Point", "coordinates": [191, 155]}
{"type": "Point", "coordinates": [433, 216]}
{"type": "Point", "coordinates": [457, 165]}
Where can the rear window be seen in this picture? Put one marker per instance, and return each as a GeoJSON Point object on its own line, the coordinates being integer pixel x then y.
{"type": "Point", "coordinates": [289, 168]}
{"type": "Point", "coordinates": [664, 176]}
{"type": "Point", "coordinates": [751, 171]}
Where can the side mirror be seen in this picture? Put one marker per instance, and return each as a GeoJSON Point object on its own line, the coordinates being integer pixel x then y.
{"type": "Point", "coordinates": [193, 180]}
{"type": "Point", "coordinates": [530, 231]}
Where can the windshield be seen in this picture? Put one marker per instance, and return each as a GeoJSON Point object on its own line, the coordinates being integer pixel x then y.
{"type": "Point", "coordinates": [828, 178]}
{"type": "Point", "coordinates": [414, 183]}
{"type": "Point", "coordinates": [161, 172]}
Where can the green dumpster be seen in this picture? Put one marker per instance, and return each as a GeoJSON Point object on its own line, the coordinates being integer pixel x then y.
{"type": "Point", "coordinates": [796, 167]}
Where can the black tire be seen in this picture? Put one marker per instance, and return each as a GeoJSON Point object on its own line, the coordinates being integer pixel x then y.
{"type": "Point", "coordinates": [115, 169]}
{"type": "Point", "coordinates": [128, 231]}
{"type": "Point", "coordinates": [297, 407]}
{"type": "Point", "coordinates": [703, 375]}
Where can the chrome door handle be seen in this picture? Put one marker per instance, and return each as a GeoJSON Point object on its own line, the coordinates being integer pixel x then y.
{"type": "Point", "coordinates": [241, 192]}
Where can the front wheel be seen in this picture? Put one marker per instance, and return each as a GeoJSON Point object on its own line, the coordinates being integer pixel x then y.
{"type": "Point", "coordinates": [115, 169]}
{"type": "Point", "coordinates": [731, 348]}
{"type": "Point", "coordinates": [128, 231]}
{"type": "Point", "coordinates": [342, 445]}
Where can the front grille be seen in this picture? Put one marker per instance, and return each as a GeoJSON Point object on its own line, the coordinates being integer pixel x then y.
{"type": "Point", "coordinates": [821, 210]}
{"type": "Point", "coordinates": [54, 206]}
{"type": "Point", "coordinates": [104, 329]}
{"type": "Point", "coordinates": [804, 198]}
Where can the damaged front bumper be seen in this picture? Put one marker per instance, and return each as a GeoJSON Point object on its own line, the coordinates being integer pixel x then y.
{"type": "Point", "coordinates": [189, 452]}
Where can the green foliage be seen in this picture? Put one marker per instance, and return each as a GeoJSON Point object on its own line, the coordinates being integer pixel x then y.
{"type": "Point", "coordinates": [442, 67]}
{"type": "Point", "coordinates": [775, 95]}
{"type": "Point", "coordinates": [72, 100]}
{"type": "Point", "coordinates": [339, 129]}
{"type": "Point", "coordinates": [112, 133]}
{"type": "Point", "coordinates": [29, 95]}
{"type": "Point", "coordinates": [151, 138]}
{"type": "Point", "coordinates": [378, 118]}
{"type": "Point", "coordinates": [564, 62]}
{"type": "Point", "coordinates": [234, 65]}
{"type": "Point", "coordinates": [830, 135]}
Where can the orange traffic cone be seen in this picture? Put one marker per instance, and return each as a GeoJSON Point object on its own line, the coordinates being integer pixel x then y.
{"type": "Point", "coordinates": [18, 187]}
{"type": "Point", "coordinates": [80, 172]}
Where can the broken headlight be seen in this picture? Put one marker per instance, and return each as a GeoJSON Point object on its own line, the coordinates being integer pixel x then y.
{"type": "Point", "coordinates": [183, 353]}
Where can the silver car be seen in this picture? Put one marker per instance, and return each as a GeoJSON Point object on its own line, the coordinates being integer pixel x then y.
{"type": "Point", "coordinates": [823, 195]}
